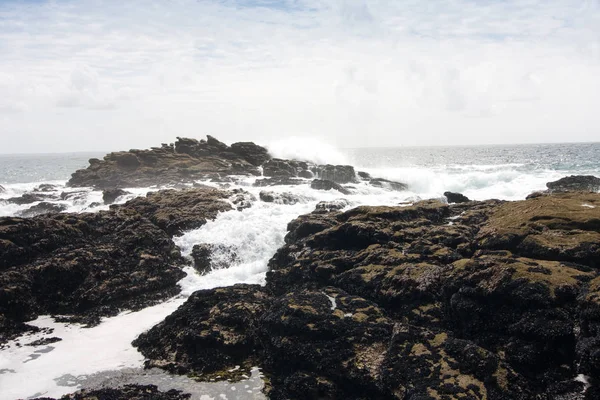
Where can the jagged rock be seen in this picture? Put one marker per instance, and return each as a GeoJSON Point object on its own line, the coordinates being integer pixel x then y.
{"type": "Point", "coordinates": [127, 392]}
{"type": "Point", "coordinates": [45, 187]}
{"type": "Point", "coordinates": [575, 183]}
{"type": "Point", "coordinates": [43, 208]}
{"type": "Point", "coordinates": [214, 330]}
{"type": "Point", "coordinates": [90, 265]}
{"type": "Point", "coordinates": [336, 173]}
{"type": "Point", "coordinates": [254, 154]}
{"type": "Point", "coordinates": [319, 184]}
{"type": "Point", "coordinates": [456, 197]}
{"type": "Point", "coordinates": [334, 205]}
{"type": "Point", "coordinates": [188, 160]}
{"type": "Point", "coordinates": [278, 168]}
{"type": "Point", "coordinates": [306, 174]}
{"type": "Point", "coordinates": [87, 265]}
{"type": "Point", "coordinates": [110, 195]}
{"type": "Point", "coordinates": [279, 198]}
{"type": "Point", "coordinates": [28, 198]}
{"type": "Point", "coordinates": [364, 175]}
{"type": "Point", "coordinates": [176, 211]}
{"type": "Point", "coordinates": [242, 199]}
{"type": "Point", "coordinates": [385, 183]}
{"type": "Point", "coordinates": [209, 256]}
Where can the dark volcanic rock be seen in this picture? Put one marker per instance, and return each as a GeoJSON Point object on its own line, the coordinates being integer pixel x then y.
{"type": "Point", "coordinates": [575, 183]}
{"type": "Point", "coordinates": [45, 187]}
{"type": "Point", "coordinates": [279, 198]}
{"type": "Point", "coordinates": [254, 154]}
{"type": "Point", "coordinates": [187, 161]}
{"type": "Point", "coordinates": [319, 184]}
{"type": "Point", "coordinates": [397, 302]}
{"type": "Point", "coordinates": [91, 265]}
{"type": "Point", "coordinates": [178, 210]}
{"type": "Point", "coordinates": [43, 208]}
{"type": "Point", "coordinates": [28, 198]}
{"type": "Point", "coordinates": [336, 173]}
{"type": "Point", "coordinates": [456, 197]}
{"type": "Point", "coordinates": [214, 330]}
{"type": "Point", "coordinates": [208, 256]}
{"type": "Point", "coordinates": [127, 392]}
{"type": "Point", "coordinates": [110, 195]}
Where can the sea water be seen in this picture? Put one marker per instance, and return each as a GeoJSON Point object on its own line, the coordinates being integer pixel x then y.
{"type": "Point", "coordinates": [103, 355]}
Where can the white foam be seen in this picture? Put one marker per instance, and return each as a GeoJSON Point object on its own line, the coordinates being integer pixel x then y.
{"type": "Point", "coordinates": [306, 149]}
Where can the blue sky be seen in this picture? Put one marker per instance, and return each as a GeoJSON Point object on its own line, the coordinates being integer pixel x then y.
{"type": "Point", "coordinates": [103, 74]}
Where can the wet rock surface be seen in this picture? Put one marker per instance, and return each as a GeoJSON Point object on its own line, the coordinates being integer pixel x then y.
{"type": "Point", "coordinates": [453, 197]}
{"type": "Point", "coordinates": [90, 265]}
{"type": "Point", "coordinates": [128, 392]}
{"type": "Point", "coordinates": [189, 160]}
{"type": "Point", "coordinates": [43, 207]}
{"type": "Point", "coordinates": [481, 300]}
{"type": "Point", "coordinates": [110, 195]}
{"type": "Point", "coordinates": [575, 183]}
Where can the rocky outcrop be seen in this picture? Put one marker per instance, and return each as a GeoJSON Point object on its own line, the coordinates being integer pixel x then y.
{"type": "Point", "coordinates": [43, 207]}
{"type": "Point", "coordinates": [575, 183]}
{"type": "Point", "coordinates": [209, 256]}
{"type": "Point", "coordinates": [28, 198]}
{"type": "Point", "coordinates": [187, 160]}
{"type": "Point", "coordinates": [319, 184]}
{"type": "Point", "coordinates": [285, 198]}
{"type": "Point", "coordinates": [91, 265]}
{"type": "Point", "coordinates": [453, 197]}
{"type": "Point", "coordinates": [176, 211]}
{"type": "Point", "coordinates": [110, 195]}
{"type": "Point", "coordinates": [480, 300]}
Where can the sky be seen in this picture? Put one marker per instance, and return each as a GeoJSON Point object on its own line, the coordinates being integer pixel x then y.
{"type": "Point", "coordinates": [91, 75]}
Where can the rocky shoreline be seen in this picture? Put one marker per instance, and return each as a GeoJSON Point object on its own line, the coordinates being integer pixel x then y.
{"type": "Point", "coordinates": [468, 300]}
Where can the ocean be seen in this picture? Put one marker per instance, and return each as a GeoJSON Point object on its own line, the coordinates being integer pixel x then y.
{"type": "Point", "coordinates": [479, 172]}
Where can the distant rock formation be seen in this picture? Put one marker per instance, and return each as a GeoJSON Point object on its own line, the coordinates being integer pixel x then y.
{"type": "Point", "coordinates": [575, 183]}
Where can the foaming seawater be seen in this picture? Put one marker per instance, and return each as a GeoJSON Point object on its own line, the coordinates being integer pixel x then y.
{"type": "Point", "coordinates": [307, 149]}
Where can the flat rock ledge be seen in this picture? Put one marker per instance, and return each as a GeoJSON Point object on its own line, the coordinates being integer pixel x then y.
{"type": "Point", "coordinates": [480, 300]}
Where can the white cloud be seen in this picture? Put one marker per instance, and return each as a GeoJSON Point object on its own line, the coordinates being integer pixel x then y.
{"type": "Point", "coordinates": [92, 74]}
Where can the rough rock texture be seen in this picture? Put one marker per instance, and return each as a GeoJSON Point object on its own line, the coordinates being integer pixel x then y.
{"type": "Point", "coordinates": [481, 300]}
{"type": "Point", "coordinates": [43, 207]}
{"type": "Point", "coordinates": [190, 160]}
{"type": "Point", "coordinates": [176, 211]}
{"type": "Point", "coordinates": [279, 198]}
{"type": "Point", "coordinates": [185, 161]}
{"type": "Point", "coordinates": [456, 197]}
{"type": "Point", "coordinates": [319, 184]}
{"type": "Point", "coordinates": [110, 195]}
{"type": "Point", "coordinates": [208, 256]}
{"type": "Point", "coordinates": [91, 265]}
{"type": "Point", "coordinates": [127, 392]}
{"type": "Point", "coordinates": [575, 183]}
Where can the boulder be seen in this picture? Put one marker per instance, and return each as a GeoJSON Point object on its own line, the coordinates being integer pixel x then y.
{"type": "Point", "coordinates": [254, 154]}
{"type": "Point", "coordinates": [278, 168]}
{"type": "Point", "coordinates": [319, 184]}
{"type": "Point", "coordinates": [285, 198]}
{"type": "Point", "coordinates": [45, 187]}
{"type": "Point", "coordinates": [242, 199]}
{"type": "Point", "coordinates": [336, 173]}
{"type": "Point", "coordinates": [43, 208]}
{"type": "Point", "coordinates": [110, 195]}
{"type": "Point", "coordinates": [456, 197]}
{"type": "Point", "coordinates": [209, 256]}
{"type": "Point", "coordinates": [28, 198]}
{"type": "Point", "coordinates": [575, 183]}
